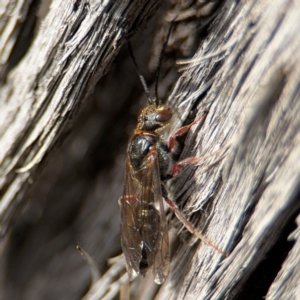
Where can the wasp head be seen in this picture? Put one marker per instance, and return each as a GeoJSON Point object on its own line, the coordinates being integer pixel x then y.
{"type": "Point", "coordinates": [153, 117]}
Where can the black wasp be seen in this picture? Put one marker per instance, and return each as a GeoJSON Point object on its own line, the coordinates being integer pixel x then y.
{"type": "Point", "coordinates": [150, 161]}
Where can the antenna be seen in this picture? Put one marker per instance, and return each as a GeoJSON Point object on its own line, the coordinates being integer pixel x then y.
{"type": "Point", "coordinates": [157, 101]}
{"type": "Point", "coordinates": [142, 79]}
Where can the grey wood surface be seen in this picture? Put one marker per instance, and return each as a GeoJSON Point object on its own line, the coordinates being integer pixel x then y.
{"type": "Point", "coordinates": [74, 47]}
{"type": "Point", "coordinates": [245, 198]}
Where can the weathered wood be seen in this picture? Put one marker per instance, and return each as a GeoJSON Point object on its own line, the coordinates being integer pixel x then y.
{"type": "Point", "coordinates": [286, 284]}
{"type": "Point", "coordinates": [74, 47]}
{"type": "Point", "coordinates": [253, 100]}
{"type": "Point", "coordinates": [246, 73]}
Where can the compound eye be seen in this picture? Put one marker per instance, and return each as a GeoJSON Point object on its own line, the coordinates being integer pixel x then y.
{"type": "Point", "coordinates": [164, 115]}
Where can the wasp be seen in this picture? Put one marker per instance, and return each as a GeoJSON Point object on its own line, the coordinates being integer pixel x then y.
{"type": "Point", "coordinates": [149, 163]}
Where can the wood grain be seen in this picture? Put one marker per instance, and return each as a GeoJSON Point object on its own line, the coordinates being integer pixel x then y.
{"type": "Point", "coordinates": [245, 198]}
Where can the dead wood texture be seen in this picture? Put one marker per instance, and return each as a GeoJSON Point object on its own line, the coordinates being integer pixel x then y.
{"type": "Point", "coordinates": [73, 48]}
{"type": "Point", "coordinates": [245, 197]}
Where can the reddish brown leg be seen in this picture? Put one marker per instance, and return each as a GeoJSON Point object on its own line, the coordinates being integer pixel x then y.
{"type": "Point", "coordinates": [181, 131]}
{"type": "Point", "coordinates": [189, 226]}
{"type": "Point", "coordinates": [194, 161]}
{"type": "Point", "coordinates": [176, 171]}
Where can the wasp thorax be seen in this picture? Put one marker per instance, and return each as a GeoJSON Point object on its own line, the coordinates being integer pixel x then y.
{"type": "Point", "coordinates": [154, 117]}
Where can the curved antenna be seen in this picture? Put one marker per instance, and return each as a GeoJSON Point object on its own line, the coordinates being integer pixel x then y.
{"type": "Point", "coordinates": [142, 79]}
{"type": "Point", "coordinates": [157, 101]}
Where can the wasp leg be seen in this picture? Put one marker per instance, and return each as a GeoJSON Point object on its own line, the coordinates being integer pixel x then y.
{"type": "Point", "coordinates": [173, 141]}
{"type": "Point", "coordinates": [195, 160]}
{"type": "Point", "coordinates": [189, 226]}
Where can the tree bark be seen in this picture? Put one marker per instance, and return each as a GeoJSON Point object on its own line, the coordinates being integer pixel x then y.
{"type": "Point", "coordinates": [244, 197]}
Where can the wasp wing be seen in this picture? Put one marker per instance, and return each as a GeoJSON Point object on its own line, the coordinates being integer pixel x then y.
{"type": "Point", "coordinates": [155, 229]}
{"type": "Point", "coordinates": [144, 230]}
{"type": "Point", "coordinates": [131, 239]}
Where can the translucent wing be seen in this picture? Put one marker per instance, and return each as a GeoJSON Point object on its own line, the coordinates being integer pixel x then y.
{"type": "Point", "coordinates": [144, 230]}
{"type": "Point", "coordinates": [155, 230]}
{"type": "Point", "coordinates": [131, 239]}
